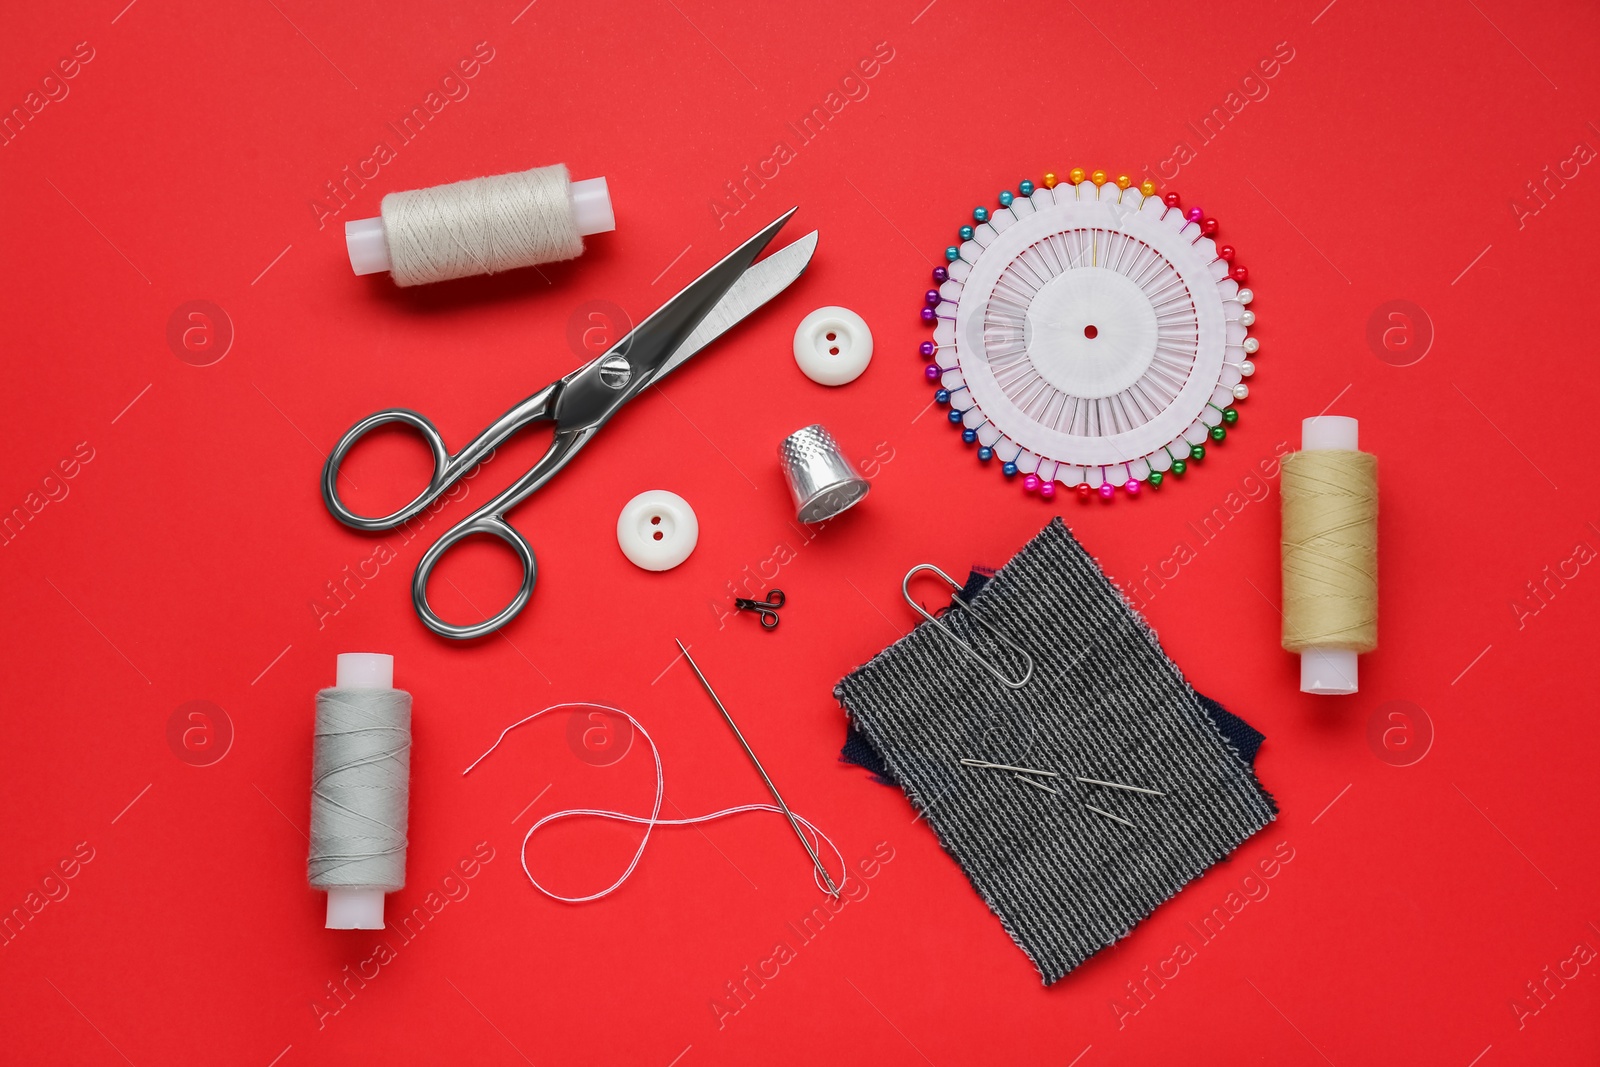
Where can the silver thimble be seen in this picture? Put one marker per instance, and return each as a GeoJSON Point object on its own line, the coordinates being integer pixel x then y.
{"type": "Point", "coordinates": [822, 482]}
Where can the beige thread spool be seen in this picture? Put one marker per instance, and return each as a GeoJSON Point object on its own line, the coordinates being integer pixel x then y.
{"type": "Point", "coordinates": [1330, 554]}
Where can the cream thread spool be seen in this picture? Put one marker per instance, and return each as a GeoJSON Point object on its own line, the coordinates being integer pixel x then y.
{"type": "Point", "coordinates": [480, 226]}
{"type": "Point", "coordinates": [1330, 554]}
{"type": "Point", "coordinates": [360, 780]}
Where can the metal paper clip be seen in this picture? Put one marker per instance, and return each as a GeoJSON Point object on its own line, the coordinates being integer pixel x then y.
{"type": "Point", "coordinates": [956, 601]}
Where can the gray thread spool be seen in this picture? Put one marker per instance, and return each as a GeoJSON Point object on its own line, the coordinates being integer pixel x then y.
{"type": "Point", "coordinates": [360, 785]}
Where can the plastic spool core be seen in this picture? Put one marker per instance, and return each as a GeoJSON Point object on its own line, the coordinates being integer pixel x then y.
{"type": "Point", "coordinates": [368, 245]}
{"type": "Point", "coordinates": [359, 909]}
{"type": "Point", "coordinates": [1329, 671]}
{"type": "Point", "coordinates": [591, 206]}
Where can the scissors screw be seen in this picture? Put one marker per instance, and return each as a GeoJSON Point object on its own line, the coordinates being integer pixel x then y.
{"type": "Point", "coordinates": [616, 371]}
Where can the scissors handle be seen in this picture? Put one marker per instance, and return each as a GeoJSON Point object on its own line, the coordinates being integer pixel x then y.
{"type": "Point", "coordinates": [480, 523]}
{"type": "Point", "coordinates": [491, 519]}
{"type": "Point", "coordinates": [447, 469]}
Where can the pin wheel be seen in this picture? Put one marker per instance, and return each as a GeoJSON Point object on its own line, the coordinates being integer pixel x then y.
{"type": "Point", "coordinates": [1090, 334]}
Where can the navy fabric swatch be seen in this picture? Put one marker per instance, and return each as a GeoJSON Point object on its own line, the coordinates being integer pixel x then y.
{"type": "Point", "coordinates": [1072, 868]}
{"type": "Point", "coordinates": [859, 751]}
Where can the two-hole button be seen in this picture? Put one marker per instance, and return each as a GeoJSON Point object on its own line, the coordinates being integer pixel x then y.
{"type": "Point", "coordinates": [657, 530]}
{"type": "Point", "coordinates": [833, 346]}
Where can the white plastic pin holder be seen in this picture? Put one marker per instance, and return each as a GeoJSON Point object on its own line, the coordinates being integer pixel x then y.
{"type": "Point", "coordinates": [368, 244]}
{"type": "Point", "coordinates": [359, 909]}
{"type": "Point", "coordinates": [1089, 336]}
{"type": "Point", "coordinates": [1329, 671]}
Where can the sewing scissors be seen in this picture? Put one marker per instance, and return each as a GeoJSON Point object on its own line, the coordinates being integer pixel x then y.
{"type": "Point", "coordinates": [578, 405]}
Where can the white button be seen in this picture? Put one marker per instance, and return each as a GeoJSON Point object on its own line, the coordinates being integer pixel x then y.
{"type": "Point", "coordinates": [833, 346]}
{"type": "Point", "coordinates": [657, 530]}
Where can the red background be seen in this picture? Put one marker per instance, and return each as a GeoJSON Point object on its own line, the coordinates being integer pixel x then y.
{"type": "Point", "coordinates": [185, 559]}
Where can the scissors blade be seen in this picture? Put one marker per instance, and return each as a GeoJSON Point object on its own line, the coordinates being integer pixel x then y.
{"type": "Point", "coordinates": [651, 343]}
{"type": "Point", "coordinates": [754, 288]}
{"type": "Point", "coordinates": [590, 395]}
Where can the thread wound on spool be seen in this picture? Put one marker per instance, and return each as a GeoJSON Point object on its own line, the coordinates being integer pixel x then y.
{"type": "Point", "coordinates": [360, 785]}
{"type": "Point", "coordinates": [1330, 551]}
{"type": "Point", "coordinates": [480, 226]}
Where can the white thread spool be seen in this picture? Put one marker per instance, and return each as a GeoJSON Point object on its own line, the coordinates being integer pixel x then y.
{"type": "Point", "coordinates": [480, 226]}
{"type": "Point", "coordinates": [358, 907]}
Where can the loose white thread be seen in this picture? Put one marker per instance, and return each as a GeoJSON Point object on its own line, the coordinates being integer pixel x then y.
{"type": "Point", "coordinates": [649, 822]}
{"type": "Point", "coordinates": [480, 226]}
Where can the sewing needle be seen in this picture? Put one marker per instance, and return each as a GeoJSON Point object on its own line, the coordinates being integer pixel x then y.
{"type": "Point", "coordinates": [748, 751]}
{"type": "Point", "coordinates": [1007, 767]}
{"type": "Point", "coordinates": [1120, 785]}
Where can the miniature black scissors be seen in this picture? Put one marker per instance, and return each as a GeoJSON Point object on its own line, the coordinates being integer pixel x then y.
{"type": "Point", "coordinates": [767, 608]}
{"type": "Point", "coordinates": [579, 404]}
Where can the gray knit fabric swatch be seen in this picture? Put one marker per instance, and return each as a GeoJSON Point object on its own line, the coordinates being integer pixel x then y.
{"type": "Point", "coordinates": [1104, 702]}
